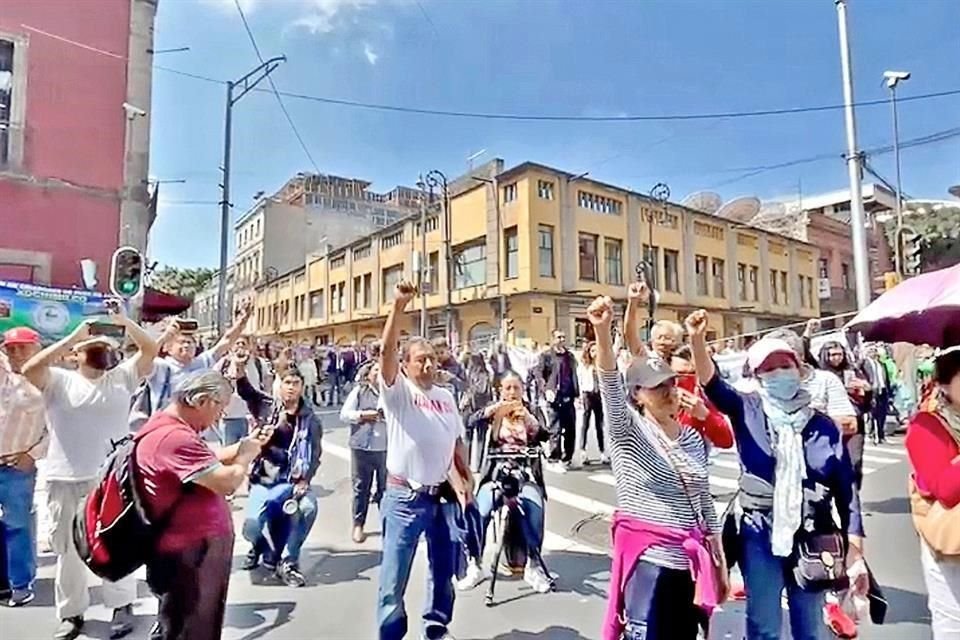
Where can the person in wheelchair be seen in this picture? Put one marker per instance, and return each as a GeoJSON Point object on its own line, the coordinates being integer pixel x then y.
{"type": "Point", "coordinates": [512, 475]}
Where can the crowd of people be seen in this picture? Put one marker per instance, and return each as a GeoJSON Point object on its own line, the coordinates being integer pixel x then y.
{"type": "Point", "coordinates": [440, 442]}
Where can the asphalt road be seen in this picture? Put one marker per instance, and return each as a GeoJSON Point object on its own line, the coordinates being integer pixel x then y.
{"type": "Point", "coordinates": [339, 601]}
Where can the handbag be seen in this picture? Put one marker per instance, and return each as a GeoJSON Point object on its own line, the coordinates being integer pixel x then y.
{"type": "Point", "coordinates": [821, 562]}
{"type": "Point", "coordinates": [938, 525]}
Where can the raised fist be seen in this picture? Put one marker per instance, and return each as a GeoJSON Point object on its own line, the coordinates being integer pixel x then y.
{"type": "Point", "coordinates": [638, 292]}
{"type": "Point", "coordinates": [696, 323]}
{"type": "Point", "coordinates": [403, 293]}
{"type": "Point", "coordinates": [600, 312]}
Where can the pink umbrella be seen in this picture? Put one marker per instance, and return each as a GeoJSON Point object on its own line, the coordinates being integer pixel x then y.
{"type": "Point", "coordinates": [921, 310]}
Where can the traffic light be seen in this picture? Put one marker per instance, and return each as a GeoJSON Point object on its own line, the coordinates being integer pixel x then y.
{"type": "Point", "coordinates": [126, 272]}
{"type": "Point", "coordinates": [508, 325]}
{"type": "Point", "coordinates": [910, 246]}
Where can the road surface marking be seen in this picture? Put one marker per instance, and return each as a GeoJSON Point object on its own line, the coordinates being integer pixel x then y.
{"type": "Point", "coordinates": [724, 483]}
{"type": "Point", "coordinates": [869, 457]}
{"type": "Point", "coordinates": [604, 478]}
{"type": "Point", "coordinates": [868, 470]}
{"type": "Point", "coordinates": [888, 449]}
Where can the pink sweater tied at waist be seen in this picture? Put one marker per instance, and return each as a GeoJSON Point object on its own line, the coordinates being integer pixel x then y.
{"type": "Point", "coordinates": [631, 539]}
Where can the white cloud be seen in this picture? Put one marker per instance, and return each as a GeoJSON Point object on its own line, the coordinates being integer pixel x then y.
{"type": "Point", "coordinates": [324, 16]}
{"type": "Point", "coordinates": [231, 5]}
{"type": "Point", "coordinates": [370, 53]}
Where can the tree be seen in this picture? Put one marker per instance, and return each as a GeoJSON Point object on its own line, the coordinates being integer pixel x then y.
{"type": "Point", "coordinates": [181, 282]}
{"type": "Point", "coordinates": [939, 233]}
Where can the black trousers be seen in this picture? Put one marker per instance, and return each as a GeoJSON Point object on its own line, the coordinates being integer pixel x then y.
{"type": "Point", "coordinates": [192, 588]}
{"type": "Point", "coordinates": [592, 407]}
{"type": "Point", "coordinates": [365, 467]}
{"type": "Point", "coordinates": [563, 428]}
{"type": "Point", "coordinates": [658, 605]}
{"type": "Point", "coordinates": [878, 415]}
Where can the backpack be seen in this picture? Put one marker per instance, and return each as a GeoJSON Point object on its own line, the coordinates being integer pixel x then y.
{"type": "Point", "coordinates": [112, 533]}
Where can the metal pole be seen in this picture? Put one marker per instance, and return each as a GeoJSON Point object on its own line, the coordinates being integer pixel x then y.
{"type": "Point", "coordinates": [857, 220]}
{"type": "Point", "coordinates": [423, 257]}
{"type": "Point", "coordinates": [438, 179]}
{"type": "Point", "coordinates": [502, 300]}
{"type": "Point", "coordinates": [225, 213]}
{"type": "Point", "coordinates": [896, 154]}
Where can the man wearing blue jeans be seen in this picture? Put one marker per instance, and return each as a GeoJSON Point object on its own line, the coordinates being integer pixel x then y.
{"type": "Point", "coordinates": [426, 474]}
{"type": "Point", "coordinates": [23, 440]}
{"type": "Point", "coordinates": [281, 502]}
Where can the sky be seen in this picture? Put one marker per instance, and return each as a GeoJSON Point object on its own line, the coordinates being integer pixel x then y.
{"type": "Point", "coordinates": [583, 58]}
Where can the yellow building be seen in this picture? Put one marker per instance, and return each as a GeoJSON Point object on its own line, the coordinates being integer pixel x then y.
{"type": "Point", "coordinates": [561, 240]}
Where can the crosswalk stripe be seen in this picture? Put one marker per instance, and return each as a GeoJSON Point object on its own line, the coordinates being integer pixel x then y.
{"type": "Point", "coordinates": [893, 450]}
{"type": "Point", "coordinates": [581, 503]}
{"type": "Point", "coordinates": [869, 457]}
{"type": "Point", "coordinates": [868, 470]}
{"type": "Point", "coordinates": [724, 483]}
{"type": "Point", "coordinates": [604, 478]}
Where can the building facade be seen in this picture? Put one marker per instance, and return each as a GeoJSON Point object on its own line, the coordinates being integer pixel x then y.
{"type": "Point", "coordinates": [547, 242]}
{"type": "Point", "coordinates": [310, 213]}
{"type": "Point", "coordinates": [206, 305]}
{"type": "Point", "coordinates": [824, 220]}
{"type": "Point", "coordinates": [74, 136]}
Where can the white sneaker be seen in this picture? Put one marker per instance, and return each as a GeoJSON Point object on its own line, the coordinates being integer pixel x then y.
{"type": "Point", "coordinates": [558, 467]}
{"type": "Point", "coordinates": [535, 577]}
{"type": "Point", "coordinates": [475, 575]}
{"type": "Point", "coordinates": [604, 459]}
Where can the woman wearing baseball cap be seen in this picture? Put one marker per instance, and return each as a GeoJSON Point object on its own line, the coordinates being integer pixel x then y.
{"type": "Point", "coordinates": [668, 573]}
{"type": "Point", "coordinates": [796, 471]}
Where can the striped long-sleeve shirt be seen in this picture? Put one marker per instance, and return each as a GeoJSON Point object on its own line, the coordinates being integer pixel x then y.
{"type": "Point", "coordinates": [23, 421]}
{"type": "Point", "coordinates": [649, 487]}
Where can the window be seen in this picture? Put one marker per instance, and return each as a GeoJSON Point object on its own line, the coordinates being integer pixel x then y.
{"type": "Point", "coordinates": [588, 256]}
{"type": "Point", "coordinates": [671, 270]}
{"type": "Point", "coordinates": [471, 266]}
{"type": "Point", "coordinates": [803, 291]}
{"type": "Point", "coordinates": [392, 240]}
{"type": "Point", "coordinates": [361, 252]}
{"type": "Point", "coordinates": [510, 193]}
{"type": "Point", "coordinates": [774, 293]}
{"type": "Point", "coordinates": [433, 272]}
{"type": "Point", "coordinates": [742, 282]}
{"type": "Point", "coordinates": [357, 292]}
{"type": "Point", "coordinates": [545, 250]}
{"type": "Point", "coordinates": [545, 189]}
{"type": "Point", "coordinates": [598, 203]}
{"type": "Point", "coordinates": [613, 259]}
{"type": "Point", "coordinates": [810, 293]}
{"type": "Point", "coordinates": [784, 292]}
{"type": "Point", "coordinates": [754, 283]}
{"type": "Point", "coordinates": [390, 278]}
{"type": "Point", "coordinates": [337, 293]}
{"type": "Point", "coordinates": [433, 223]}
{"type": "Point", "coordinates": [824, 268]}
{"type": "Point", "coordinates": [717, 267]}
{"type": "Point", "coordinates": [845, 276]}
{"type": "Point", "coordinates": [10, 102]}
{"type": "Point", "coordinates": [511, 246]}
{"type": "Point", "coordinates": [316, 304]}
{"type": "Point", "coordinates": [651, 255]}
{"type": "Point", "coordinates": [338, 260]}
{"type": "Point", "coordinates": [703, 286]}
{"type": "Point", "coordinates": [367, 285]}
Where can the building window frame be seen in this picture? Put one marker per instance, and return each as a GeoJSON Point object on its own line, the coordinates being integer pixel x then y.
{"type": "Point", "coordinates": [511, 251]}
{"type": "Point", "coordinates": [587, 262]}
{"type": "Point", "coordinates": [545, 244]}
{"type": "Point", "coordinates": [613, 261]}
{"type": "Point", "coordinates": [470, 260]}
{"type": "Point", "coordinates": [700, 263]}
{"type": "Point", "coordinates": [718, 268]}
{"type": "Point", "coordinates": [12, 145]}
{"type": "Point", "coordinates": [671, 270]}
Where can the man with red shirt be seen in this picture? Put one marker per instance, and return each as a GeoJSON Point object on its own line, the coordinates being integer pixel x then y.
{"type": "Point", "coordinates": [185, 485]}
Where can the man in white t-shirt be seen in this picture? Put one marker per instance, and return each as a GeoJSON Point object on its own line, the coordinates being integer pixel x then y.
{"type": "Point", "coordinates": [87, 409]}
{"type": "Point", "coordinates": [426, 467]}
{"type": "Point", "coordinates": [233, 425]}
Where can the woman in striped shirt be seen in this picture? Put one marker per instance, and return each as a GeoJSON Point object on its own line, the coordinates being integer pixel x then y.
{"type": "Point", "coordinates": [666, 560]}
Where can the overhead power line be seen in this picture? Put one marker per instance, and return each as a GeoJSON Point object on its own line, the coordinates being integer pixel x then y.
{"type": "Point", "coordinates": [273, 86]}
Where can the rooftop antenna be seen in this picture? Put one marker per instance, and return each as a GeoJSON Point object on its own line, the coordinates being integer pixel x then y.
{"type": "Point", "coordinates": [473, 157]}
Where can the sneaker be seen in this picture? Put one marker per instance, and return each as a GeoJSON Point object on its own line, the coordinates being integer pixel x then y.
{"type": "Point", "coordinates": [252, 561]}
{"type": "Point", "coordinates": [475, 575]}
{"type": "Point", "coordinates": [69, 628]}
{"type": "Point", "coordinates": [443, 636]}
{"type": "Point", "coordinates": [20, 597]}
{"type": "Point", "coordinates": [290, 574]}
{"type": "Point", "coordinates": [269, 562]}
{"type": "Point", "coordinates": [838, 621]}
{"type": "Point", "coordinates": [122, 622]}
{"type": "Point", "coordinates": [558, 467]}
{"type": "Point", "coordinates": [605, 459]}
{"type": "Point", "coordinates": [537, 580]}
{"type": "Point", "coordinates": [358, 534]}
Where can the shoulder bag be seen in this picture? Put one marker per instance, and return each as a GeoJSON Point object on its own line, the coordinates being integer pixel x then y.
{"type": "Point", "coordinates": [938, 525]}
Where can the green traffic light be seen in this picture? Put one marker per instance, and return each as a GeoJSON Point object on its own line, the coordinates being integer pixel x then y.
{"type": "Point", "coordinates": [128, 287]}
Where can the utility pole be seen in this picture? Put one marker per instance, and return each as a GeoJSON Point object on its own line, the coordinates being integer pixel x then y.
{"type": "Point", "coordinates": [235, 91]}
{"type": "Point", "coordinates": [861, 264]}
{"type": "Point", "coordinates": [502, 299]}
{"type": "Point", "coordinates": [423, 256]}
{"type": "Point", "coordinates": [892, 78]}
{"type": "Point", "coordinates": [436, 178]}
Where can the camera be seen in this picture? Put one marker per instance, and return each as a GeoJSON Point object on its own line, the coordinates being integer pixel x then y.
{"type": "Point", "coordinates": [510, 479]}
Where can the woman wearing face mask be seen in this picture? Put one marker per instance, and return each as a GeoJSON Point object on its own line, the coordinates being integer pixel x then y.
{"type": "Point", "coordinates": [668, 572]}
{"type": "Point", "coordinates": [795, 472]}
{"type": "Point", "coordinates": [833, 359]}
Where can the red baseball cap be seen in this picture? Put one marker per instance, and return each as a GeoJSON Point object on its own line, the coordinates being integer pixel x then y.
{"type": "Point", "coordinates": [20, 335]}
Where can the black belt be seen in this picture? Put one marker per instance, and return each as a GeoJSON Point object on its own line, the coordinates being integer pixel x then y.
{"type": "Point", "coordinates": [432, 490]}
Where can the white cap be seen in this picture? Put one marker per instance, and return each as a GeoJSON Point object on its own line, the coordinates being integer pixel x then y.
{"type": "Point", "coordinates": [762, 349]}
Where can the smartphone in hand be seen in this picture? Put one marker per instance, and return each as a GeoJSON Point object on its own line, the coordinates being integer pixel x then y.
{"type": "Point", "coordinates": [187, 325]}
{"type": "Point", "coordinates": [108, 329]}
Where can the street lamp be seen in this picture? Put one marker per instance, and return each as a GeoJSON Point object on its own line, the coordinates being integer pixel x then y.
{"type": "Point", "coordinates": [437, 179]}
{"type": "Point", "coordinates": [243, 86]}
{"type": "Point", "coordinates": [892, 79]}
{"type": "Point", "coordinates": [660, 193]}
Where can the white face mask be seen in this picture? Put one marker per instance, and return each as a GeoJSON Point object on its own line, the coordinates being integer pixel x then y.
{"type": "Point", "coordinates": [782, 384]}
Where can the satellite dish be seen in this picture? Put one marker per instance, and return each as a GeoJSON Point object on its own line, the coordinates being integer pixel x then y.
{"type": "Point", "coordinates": [740, 209]}
{"type": "Point", "coordinates": [772, 210]}
{"type": "Point", "coordinates": [705, 201]}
